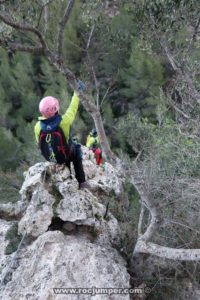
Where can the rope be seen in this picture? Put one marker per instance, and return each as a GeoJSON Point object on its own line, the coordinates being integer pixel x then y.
{"type": "Point", "coordinates": [12, 261]}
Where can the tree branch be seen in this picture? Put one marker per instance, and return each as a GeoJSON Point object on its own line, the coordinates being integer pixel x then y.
{"type": "Point", "coordinates": [22, 26]}
{"type": "Point", "coordinates": [63, 69]}
{"type": "Point", "coordinates": [168, 222]}
{"type": "Point", "coordinates": [92, 66]}
{"type": "Point", "coordinates": [196, 28]}
{"type": "Point", "coordinates": [22, 48]}
{"type": "Point", "coordinates": [180, 71]}
{"type": "Point", "coordinates": [143, 244]}
{"type": "Point", "coordinates": [153, 209]}
{"type": "Point", "coordinates": [90, 37]}
{"type": "Point", "coordinates": [105, 95]}
{"type": "Point", "coordinates": [96, 85]}
{"type": "Point", "coordinates": [140, 222]}
{"type": "Point", "coordinates": [177, 68]}
{"type": "Point", "coordinates": [179, 110]}
{"type": "Point", "coordinates": [44, 8]}
{"type": "Point", "coordinates": [166, 252]}
{"type": "Point", "coordinates": [62, 25]}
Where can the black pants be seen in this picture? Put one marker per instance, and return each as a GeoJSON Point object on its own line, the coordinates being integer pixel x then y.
{"type": "Point", "coordinates": [77, 162]}
{"type": "Point", "coordinates": [79, 172]}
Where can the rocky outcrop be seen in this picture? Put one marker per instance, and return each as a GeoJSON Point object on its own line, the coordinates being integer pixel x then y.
{"type": "Point", "coordinates": [70, 237]}
{"type": "Point", "coordinates": [55, 260]}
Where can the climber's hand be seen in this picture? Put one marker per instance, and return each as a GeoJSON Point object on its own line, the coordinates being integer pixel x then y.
{"type": "Point", "coordinates": [81, 85]}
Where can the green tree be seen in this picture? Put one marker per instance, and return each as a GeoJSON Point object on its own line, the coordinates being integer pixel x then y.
{"type": "Point", "coordinates": [10, 150]}
{"type": "Point", "coordinates": [143, 79]}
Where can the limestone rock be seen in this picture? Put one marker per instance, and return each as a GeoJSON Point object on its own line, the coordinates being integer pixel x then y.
{"type": "Point", "coordinates": [107, 180]}
{"type": "Point", "coordinates": [4, 259]}
{"type": "Point", "coordinates": [39, 213]}
{"type": "Point", "coordinates": [74, 235]}
{"type": "Point", "coordinates": [47, 191]}
{"type": "Point", "coordinates": [5, 226]}
{"type": "Point", "coordinates": [80, 207]}
{"type": "Point", "coordinates": [58, 261]}
{"type": "Point", "coordinates": [104, 177]}
{"type": "Point", "coordinates": [12, 210]}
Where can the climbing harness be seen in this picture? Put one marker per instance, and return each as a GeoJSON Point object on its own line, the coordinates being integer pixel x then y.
{"type": "Point", "coordinates": [52, 156]}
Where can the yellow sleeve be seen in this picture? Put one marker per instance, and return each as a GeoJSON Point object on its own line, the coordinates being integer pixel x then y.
{"type": "Point", "coordinates": [37, 130]}
{"type": "Point", "coordinates": [87, 141]}
{"type": "Point", "coordinates": [70, 113]}
{"type": "Point", "coordinates": [90, 141]}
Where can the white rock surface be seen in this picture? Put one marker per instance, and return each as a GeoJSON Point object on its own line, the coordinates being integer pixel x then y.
{"type": "Point", "coordinates": [5, 226]}
{"type": "Point", "coordinates": [58, 261]}
{"type": "Point", "coordinates": [107, 180]}
{"type": "Point", "coordinates": [84, 256]}
{"type": "Point", "coordinates": [10, 210]}
{"type": "Point", "coordinates": [104, 177]}
{"type": "Point", "coordinates": [80, 207]}
{"type": "Point", "coordinates": [39, 213]}
{"type": "Point", "coordinates": [4, 259]}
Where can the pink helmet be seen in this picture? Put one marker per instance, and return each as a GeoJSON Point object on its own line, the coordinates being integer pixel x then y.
{"type": "Point", "coordinates": [49, 106]}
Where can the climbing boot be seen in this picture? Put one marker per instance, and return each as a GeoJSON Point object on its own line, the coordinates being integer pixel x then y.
{"type": "Point", "coordinates": [84, 185]}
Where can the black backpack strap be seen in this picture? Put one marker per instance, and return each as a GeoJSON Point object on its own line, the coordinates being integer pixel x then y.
{"type": "Point", "coordinates": [54, 147]}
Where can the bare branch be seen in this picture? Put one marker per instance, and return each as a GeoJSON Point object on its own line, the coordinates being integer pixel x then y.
{"type": "Point", "coordinates": [90, 37]}
{"type": "Point", "coordinates": [153, 209]}
{"type": "Point", "coordinates": [183, 225]}
{"type": "Point", "coordinates": [76, 46]}
{"type": "Point", "coordinates": [179, 110]}
{"type": "Point", "coordinates": [180, 71]}
{"type": "Point", "coordinates": [170, 57]}
{"type": "Point", "coordinates": [22, 48]}
{"type": "Point", "coordinates": [166, 252]}
{"type": "Point", "coordinates": [40, 16]}
{"type": "Point", "coordinates": [196, 28]}
{"type": "Point", "coordinates": [96, 85]}
{"type": "Point", "coordinates": [191, 136]}
{"type": "Point", "coordinates": [92, 66]}
{"type": "Point", "coordinates": [44, 8]}
{"type": "Point", "coordinates": [177, 68]}
{"type": "Point", "coordinates": [62, 25]}
{"type": "Point", "coordinates": [140, 222]}
{"type": "Point", "coordinates": [143, 244]}
{"type": "Point", "coordinates": [22, 26]}
{"type": "Point", "coordinates": [45, 18]}
{"type": "Point", "coordinates": [105, 95]}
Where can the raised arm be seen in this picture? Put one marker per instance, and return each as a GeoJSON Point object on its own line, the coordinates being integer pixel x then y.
{"type": "Point", "coordinates": [72, 109]}
{"type": "Point", "coordinates": [37, 131]}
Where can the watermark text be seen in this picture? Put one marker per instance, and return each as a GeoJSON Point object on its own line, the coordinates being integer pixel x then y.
{"type": "Point", "coordinates": [101, 291]}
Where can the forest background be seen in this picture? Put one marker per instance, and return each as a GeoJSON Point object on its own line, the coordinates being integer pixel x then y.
{"type": "Point", "coordinates": [140, 61]}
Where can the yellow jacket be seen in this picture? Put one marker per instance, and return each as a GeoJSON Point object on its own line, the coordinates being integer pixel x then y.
{"type": "Point", "coordinates": [67, 119]}
{"type": "Point", "coordinates": [92, 141]}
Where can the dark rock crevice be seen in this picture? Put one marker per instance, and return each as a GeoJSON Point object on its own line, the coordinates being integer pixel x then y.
{"type": "Point", "coordinates": [69, 228]}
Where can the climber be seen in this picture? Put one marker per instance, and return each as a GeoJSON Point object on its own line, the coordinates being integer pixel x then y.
{"type": "Point", "coordinates": [93, 144]}
{"type": "Point", "coordinates": [52, 133]}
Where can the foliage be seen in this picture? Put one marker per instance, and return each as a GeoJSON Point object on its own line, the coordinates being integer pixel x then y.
{"type": "Point", "coordinates": [176, 152]}
{"type": "Point", "coordinates": [11, 183]}
{"type": "Point", "coordinates": [145, 57]}
{"type": "Point", "coordinates": [142, 79]}
{"type": "Point", "coordinates": [14, 239]}
{"type": "Point", "coordinates": [10, 150]}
